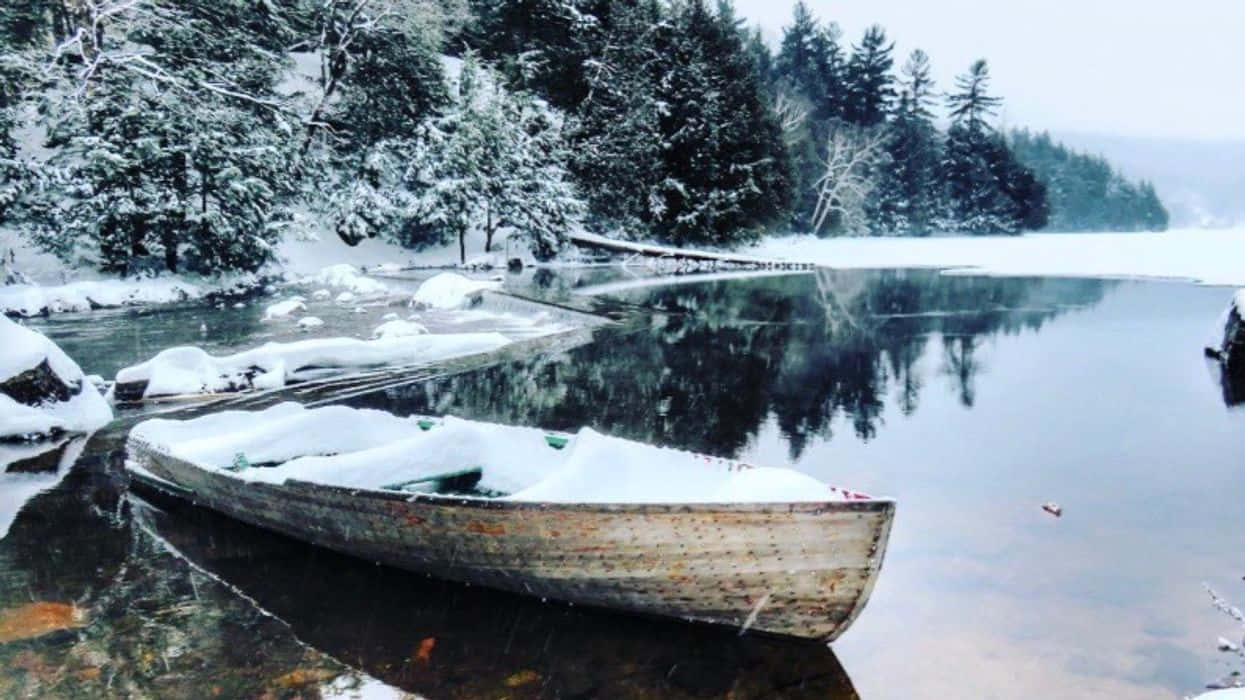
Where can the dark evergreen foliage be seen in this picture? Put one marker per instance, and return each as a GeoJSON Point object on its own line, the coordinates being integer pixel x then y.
{"type": "Point", "coordinates": [1085, 192]}
{"type": "Point", "coordinates": [869, 83]}
{"type": "Point", "coordinates": [647, 118]}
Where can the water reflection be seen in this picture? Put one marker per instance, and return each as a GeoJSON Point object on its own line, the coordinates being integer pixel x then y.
{"type": "Point", "coordinates": [717, 359]}
{"type": "Point", "coordinates": [444, 640]}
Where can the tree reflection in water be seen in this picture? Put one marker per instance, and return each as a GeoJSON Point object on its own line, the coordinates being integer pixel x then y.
{"type": "Point", "coordinates": [716, 360]}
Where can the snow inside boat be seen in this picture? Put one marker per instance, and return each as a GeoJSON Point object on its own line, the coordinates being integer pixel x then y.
{"type": "Point", "coordinates": [582, 517]}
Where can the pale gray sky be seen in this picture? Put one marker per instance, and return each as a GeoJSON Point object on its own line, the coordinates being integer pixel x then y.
{"type": "Point", "coordinates": [1148, 68]}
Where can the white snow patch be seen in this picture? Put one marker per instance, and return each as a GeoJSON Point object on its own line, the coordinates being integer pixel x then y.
{"type": "Point", "coordinates": [347, 277]}
{"type": "Point", "coordinates": [321, 295]}
{"type": "Point", "coordinates": [282, 309]}
{"type": "Point", "coordinates": [398, 329]}
{"type": "Point", "coordinates": [362, 448]}
{"type": "Point", "coordinates": [1209, 257]}
{"type": "Point", "coordinates": [32, 300]}
{"type": "Point", "coordinates": [1227, 694]}
{"type": "Point", "coordinates": [191, 370]}
{"type": "Point", "coordinates": [25, 349]}
{"type": "Point", "coordinates": [391, 316]}
{"type": "Point", "coordinates": [449, 291]}
{"type": "Point", "coordinates": [308, 323]}
{"type": "Point", "coordinates": [358, 687]}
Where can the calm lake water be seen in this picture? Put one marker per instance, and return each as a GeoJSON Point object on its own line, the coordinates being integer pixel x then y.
{"type": "Point", "coordinates": [972, 401]}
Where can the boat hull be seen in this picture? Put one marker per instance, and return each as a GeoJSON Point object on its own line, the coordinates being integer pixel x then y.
{"type": "Point", "coordinates": [799, 570]}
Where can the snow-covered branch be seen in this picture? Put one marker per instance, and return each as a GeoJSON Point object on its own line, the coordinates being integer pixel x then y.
{"type": "Point", "coordinates": [847, 178]}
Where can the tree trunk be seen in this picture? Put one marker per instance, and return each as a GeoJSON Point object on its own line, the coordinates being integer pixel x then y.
{"type": "Point", "coordinates": [462, 245]}
{"type": "Point", "coordinates": [488, 229]}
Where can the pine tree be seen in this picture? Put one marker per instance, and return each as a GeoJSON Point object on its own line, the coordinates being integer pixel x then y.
{"type": "Point", "coordinates": [616, 143]}
{"type": "Point", "coordinates": [495, 161]}
{"type": "Point", "coordinates": [907, 200]}
{"type": "Point", "coordinates": [810, 63]}
{"type": "Point", "coordinates": [988, 190]}
{"type": "Point", "coordinates": [177, 160]}
{"type": "Point", "coordinates": [724, 163]}
{"type": "Point", "coordinates": [869, 83]}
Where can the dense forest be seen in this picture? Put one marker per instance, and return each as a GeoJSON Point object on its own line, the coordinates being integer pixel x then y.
{"type": "Point", "coordinates": [193, 135]}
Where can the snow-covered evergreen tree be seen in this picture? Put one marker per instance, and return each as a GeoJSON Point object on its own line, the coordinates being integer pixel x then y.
{"type": "Point", "coordinates": [988, 190]}
{"type": "Point", "coordinates": [907, 196]}
{"type": "Point", "coordinates": [869, 83]}
{"type": "Point", "coordinates": [171, 149]}
{"type": "Point", "coordinates": [495, 160]}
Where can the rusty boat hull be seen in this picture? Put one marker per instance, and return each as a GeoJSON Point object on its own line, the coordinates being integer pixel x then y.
{"type": "Point", "coordinates": [801, 570]}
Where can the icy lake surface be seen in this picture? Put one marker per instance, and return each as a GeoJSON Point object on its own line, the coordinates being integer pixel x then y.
{"type": "Point", "coordinates": [971, 400]}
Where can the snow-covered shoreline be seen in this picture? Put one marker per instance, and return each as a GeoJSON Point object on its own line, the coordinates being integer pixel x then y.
{"type": "Point", "coordinates": [1206, 257]}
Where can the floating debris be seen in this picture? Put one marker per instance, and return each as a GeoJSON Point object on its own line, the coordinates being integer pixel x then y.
{"type": "Point", "coordinates": [1053, 508]}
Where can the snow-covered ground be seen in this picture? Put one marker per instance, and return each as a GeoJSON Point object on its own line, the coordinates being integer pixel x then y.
{"type": "Point", "coordinates": [1208, 257]}
{"type": "Point", "coordinates": [363, 448]}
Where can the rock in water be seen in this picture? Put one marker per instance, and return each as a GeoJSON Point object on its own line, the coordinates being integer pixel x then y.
{"type": "Point", "coordinates": [1231, 351]}
{"type": "Point", "coordinates": [42, 391]}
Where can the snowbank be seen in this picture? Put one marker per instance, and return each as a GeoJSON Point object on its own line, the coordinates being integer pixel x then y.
{"type": "Point", "coordinates": [191, 370]}
{"type": "Point", "coordinates": [449, 290]}
{"type": "Point", "coordinates": [34, 300]}
{"type": "Point", "coordinates": [1209, 257]}
{"type": "Point", "coordinates": [372, 449]}
{"type": "Point", "coordinates": [348, 277]}
{"type": "Point", "coordinates": [1228, 694]}
{"type": "Point", "coordinates": [42, 390]}
{"type": "Point", "coordinates": [398, 329]}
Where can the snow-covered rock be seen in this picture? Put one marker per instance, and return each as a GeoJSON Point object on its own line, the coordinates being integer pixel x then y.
{"type": "Point", "coordinates": [391, 316]}
{"type": "Point", "coordinates": [282, 309]}
{"type": "Point", "coordinates": [191, 370]}
{"type": "Point", "coordinates": [398, 329]}
{"type": "Point", "coordinates": [1228, 346]}
{"type": "Point", "coordinates": [321, 295]}
{"type": "Point", "coordinates": [308, 323]}
{"type": "Point", "coordinates": [345, 298]}
{"type": "Point", "coordinates": [449, 290]}
{"type": "Point", "coordinates": [43, 392]}
{"type": "Point", "coordinates": [349, 278]}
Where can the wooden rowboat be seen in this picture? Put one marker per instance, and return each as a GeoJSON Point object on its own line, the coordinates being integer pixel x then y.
{"type": "Point", "coordinates": [801, 568]}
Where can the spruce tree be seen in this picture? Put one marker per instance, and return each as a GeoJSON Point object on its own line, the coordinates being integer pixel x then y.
{"type": "Point", "coordinates": [869, 83]}
{"type": "Point", "coordinates": [988, 190]}
{"type": "Point", "coordinates": [725, 173]}
{"type": "Point", "coordinates": [907, 200]}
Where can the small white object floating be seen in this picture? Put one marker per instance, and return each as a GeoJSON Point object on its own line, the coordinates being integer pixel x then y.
{"type": "Point", "coordinates": [308, 323]}
{"type": "Point", "coordinates": [1053, 508]}
{"type": "Point", "coordinates": [583, 518]}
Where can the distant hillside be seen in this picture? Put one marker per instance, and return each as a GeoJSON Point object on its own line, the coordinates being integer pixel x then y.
{"type": "Point", "coordinates": [1201, 182]}
{"type": "Point", "coordinates": [1084, 192]}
